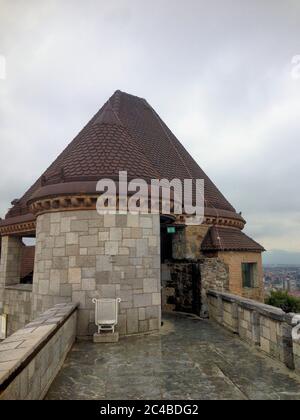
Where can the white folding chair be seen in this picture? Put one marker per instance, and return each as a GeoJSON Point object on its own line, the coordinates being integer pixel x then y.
{"type": "Point", "coordinates": [106, 314]}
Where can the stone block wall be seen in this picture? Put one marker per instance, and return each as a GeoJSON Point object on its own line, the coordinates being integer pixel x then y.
{"type": "Point", "coordinates": [194, 237]}
{"type": "Point", "coordinates": [81, 255]}
{"type": "Point", "coordinates": [181, 287]}
{"type": "Point", "coordinates": [168, 291]}
{"type": "Point", "coordinates": [10, 260]}
{"type": "Point", "coordinates": [264, 326]}
{"type": "Point", "coordinates": [185, 282]}
{"type": "Point", "coordinates": [215, 312]}
{"type": "Point", "coordinates": [214, 276]}
{"type": "Point", "coordinates": [15, 299]}
{"type": "Point", "coordinates": [248, 326]}
{"type": "Point", "coordinates": [187, 242]}
{"type": "Point", "coordinates": [234, 262]}
{"type": "Point", "coordinates": [31, 358]}
{"type": "Point", "coordinates": [230, 315]}
{"type": "Point", "coordinates": [179, 245]}
{"type": "Point", "coordinates": [17, 306]}
{"type": "Point", "coordinates": [11, 249]}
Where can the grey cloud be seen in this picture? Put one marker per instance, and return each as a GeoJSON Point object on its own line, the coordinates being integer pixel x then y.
{"type": "Point", "coordinates": [218, 73]}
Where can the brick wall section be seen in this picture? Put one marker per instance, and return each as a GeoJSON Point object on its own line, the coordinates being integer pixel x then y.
{"type": "Point", "coordinates": [234, 262]}
{"type": "Point", "coordinates": [31, 358]}
{"type": "Point", "coordinates": [17, 306]}
{"type": "Point", "coordinates": [81, 255]}
{"type": "Point", "coordinates": [264, 326]}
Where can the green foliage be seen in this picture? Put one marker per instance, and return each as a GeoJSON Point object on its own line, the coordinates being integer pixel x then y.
{"type": "Point", "coordinates": [284, 301]}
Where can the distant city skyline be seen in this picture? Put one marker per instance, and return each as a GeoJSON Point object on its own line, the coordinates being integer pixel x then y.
{"type": "Point", "coordinates": [282, 278]}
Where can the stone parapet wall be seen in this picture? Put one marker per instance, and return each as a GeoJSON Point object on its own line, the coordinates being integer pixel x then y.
{"type": "Point", "coordinates": [31, 357]}
{"type": "Point", "coordinates": [296, 348]}
{"type": "Point", "coordinates": [81, 255]}
{"type": "Point", "coordinates": [267, 327]}
{"type": "Point", "coordinates": [17, 306]}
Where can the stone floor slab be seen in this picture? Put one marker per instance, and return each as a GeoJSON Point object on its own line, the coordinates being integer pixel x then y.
{"type": "Point", "coordinates": [189, 359]}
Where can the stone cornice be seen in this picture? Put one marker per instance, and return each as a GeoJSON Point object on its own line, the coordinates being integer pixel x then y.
{"type": "Point", "coordinates": [219, 221]}
{"type": "Point", "coordinates": [25, 228]}
{"type": "Point", "coordinates": [88, 202]}
{"type": "Point", "coordinates": [64, 203]}
{"type": "Point", "coordinates": [76, 202]}
{"type": "Point", "coordinates": [222, 221]}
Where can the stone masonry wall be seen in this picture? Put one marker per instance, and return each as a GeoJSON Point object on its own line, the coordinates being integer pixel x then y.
{"type": "Point", "coordinates": [31, 358]}
{"type": "Point", "coordinates": [15, 299]}
{"type": "Point", "coordinates": [17, 307]}
{"type": "Point", "coordinates": [11, 248]}
{"type": "Point", "coordinates": [187, 242]}
{"type": "Point", "coordinates": [10, 260]}
{"type": "Point", "coordinates": [194, 237]}
{"type": "Point", "coordinates": [181, 287]}
{"type": "Point", "coordinates": [296, 351]}
{"type": "Point", "coordinates": [81, 255]}
{"type": "Point", "coordinates": [264, 326]}
{"type": "Point", "coordinates": [214, 276]}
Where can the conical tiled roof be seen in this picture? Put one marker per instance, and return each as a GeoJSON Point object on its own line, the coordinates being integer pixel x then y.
{"type": "Point", "coordinates": [126, 134]}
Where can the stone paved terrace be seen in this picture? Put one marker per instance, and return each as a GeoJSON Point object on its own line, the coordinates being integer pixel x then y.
{"type": "Point", "coordinates": [189, 359]}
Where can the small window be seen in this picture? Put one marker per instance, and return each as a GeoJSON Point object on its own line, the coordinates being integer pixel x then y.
{"type": "Point", "coordinates": [249, 275]}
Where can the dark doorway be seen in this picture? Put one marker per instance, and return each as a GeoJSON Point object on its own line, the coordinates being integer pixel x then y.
{"type": "Point", "coordinates": [187, 281]}
{"type": "Point", "coordinates": [181, 287]}
{"type": "Point", "coordinates": [165, 244]}
{"type": "Point", "coordinates": [181, 279]}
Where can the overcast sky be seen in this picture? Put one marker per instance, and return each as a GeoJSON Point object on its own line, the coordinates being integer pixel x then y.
{"type": "Point", "coordinates": [218, 72]}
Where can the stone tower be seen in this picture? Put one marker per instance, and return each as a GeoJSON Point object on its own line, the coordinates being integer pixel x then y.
{"type": "Point", "coordinates": [81, 255]}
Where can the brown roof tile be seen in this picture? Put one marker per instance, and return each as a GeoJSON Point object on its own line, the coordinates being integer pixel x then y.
{"type": "Point", "coordinates": [126, 134]}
